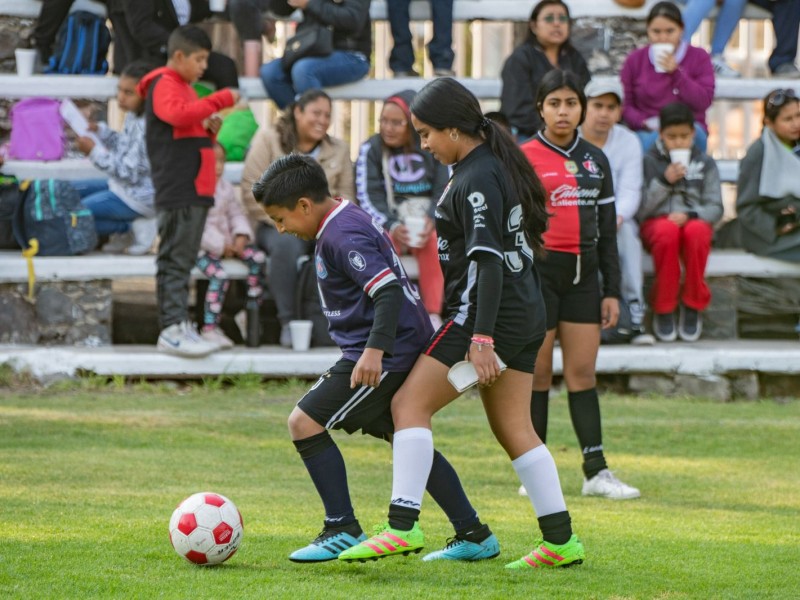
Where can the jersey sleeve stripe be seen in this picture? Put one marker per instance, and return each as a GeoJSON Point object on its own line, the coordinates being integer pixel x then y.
{"type": "Point", "coordinates": [474, 249]}
{"type": "Point", "coordinates": [380, 280]}
{"type": "Point", "coordinates": [608, 200]}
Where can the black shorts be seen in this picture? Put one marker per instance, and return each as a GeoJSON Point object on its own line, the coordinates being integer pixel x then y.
{"type": "Point", "coordinates": [332, 404]}
{"type": "Point", "coordinates": [450, 344]}
{"type": "Point", "coordinates": [564, 298]}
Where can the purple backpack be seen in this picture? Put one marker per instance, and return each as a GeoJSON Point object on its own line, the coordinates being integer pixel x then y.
{"type": "Point", "coordinates": [37, 130]}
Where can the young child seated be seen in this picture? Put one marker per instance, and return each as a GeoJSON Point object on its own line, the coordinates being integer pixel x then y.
{"type": "Point", "coordinates": [227, 234]}
{"type": "Point", "coordinates": [681, 202]}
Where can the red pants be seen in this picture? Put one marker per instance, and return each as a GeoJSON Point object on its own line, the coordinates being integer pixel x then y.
{"type": "Point", "coordinates": [431, 280]}
{"type": "Point", "coordinates": [670, 246]}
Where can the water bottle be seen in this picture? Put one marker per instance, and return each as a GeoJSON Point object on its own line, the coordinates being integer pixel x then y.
{"type": "Point", "coordinates": [253, 325]}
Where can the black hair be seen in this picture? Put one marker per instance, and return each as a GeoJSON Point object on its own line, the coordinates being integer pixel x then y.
{"type": "Point", "coordinates": [667, 10]}
{"type": "Point", "coordinates": [776, 100]}
{"type": "Point", "coordinates": [137, 69]}
{"type": "Point", "coordinates": [556, 79]}
{"type": "Point", "coordinates": [538, 8]}
{"type": "Point", "coordinates": [290, 178]}
{"type": "Point", "coordinates": [499, 117]}
{"type": "Point", "coordinates": [188, 39]}
{"type": "Point", "coordinates": [676, 113]}
{"type": "Point", "coordinates": [445, 103]}
{"type": "Point", "coordinates": [286, 125]}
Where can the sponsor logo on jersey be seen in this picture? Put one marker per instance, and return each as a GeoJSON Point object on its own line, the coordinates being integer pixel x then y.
{"type": "Point", "coordinates": [570, 195]}
{"type": "Point", "coordinates": [322, 272]}
{"type": "Point", "coordinates": [476, 199]}
{"type": "Point", "coordinates": [357, 261]}
{"type": "Point", "coordinates": [444, 245]}
{"type": "Point", "coordinates": [570, 166]}
{"type": "Point", "coordinates": [332, 313]}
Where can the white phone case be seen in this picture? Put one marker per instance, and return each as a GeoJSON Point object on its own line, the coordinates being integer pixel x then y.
{"type": "Point", "coordinates": [463, 376]}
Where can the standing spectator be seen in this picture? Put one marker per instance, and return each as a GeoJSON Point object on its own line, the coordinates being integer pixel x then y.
{"type": "Point", "coordinates": [768, 201]}
{"type": "Point", "coordinates": [179, 129]}
{"type": "Point", "coordinates": [227, 234]}
{"type": "Point", "coordinates": [51, 15]}
{"type": "Point", "coordinates": [547, 47]}
{"type": "Point", "coordinates": [682, 201]}
{"type": "Point", "coordinates": [395, 179]}
{"type": "Point", "coordinates": [786, 22]}
{"type": "Point", "coordinates": [581, 245]}
{"type": "Point", "coordinates": [601, 128]}
{"type": "Point", "coordinates": [440, 48]}
{"type": "Point", "coordinates": [730, 11]}
{"type": "Point", "coordinates": [349, 61]}
{"type": "Point", "coordinates": [122, 205]}
{"type": "Point", "coordinates": [651, 82]}
{"type": "Point", "coordinates": [248, 18]}
{"type": "Point", "coordinates": [301, 128]}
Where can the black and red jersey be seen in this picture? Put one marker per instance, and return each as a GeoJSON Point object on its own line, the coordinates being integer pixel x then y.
{"type": "Point", "coordinates": [580, 199]}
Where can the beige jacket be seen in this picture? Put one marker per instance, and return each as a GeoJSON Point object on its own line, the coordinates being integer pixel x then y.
{"type": "Point", "coordinates": [334, 156]}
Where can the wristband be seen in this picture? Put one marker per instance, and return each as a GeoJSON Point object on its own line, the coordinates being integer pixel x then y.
{"type": "Point", "coordinates": [481, 341]}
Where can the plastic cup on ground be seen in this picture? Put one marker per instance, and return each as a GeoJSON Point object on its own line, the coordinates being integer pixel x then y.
{"type": "Point", "coordinates": [415, 227]}
{"type": "Point", "coordinates": [682, 156]}
{"type": "Point", "coordinates": [659, 52]}
{"type": "Point", "coordinates": [301, 335]}
{"type": "Point", "coordinates": [26, 61]}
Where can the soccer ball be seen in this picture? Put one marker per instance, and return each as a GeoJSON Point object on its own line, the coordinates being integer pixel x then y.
{"type": "Point", "coordinates": [206, 528]}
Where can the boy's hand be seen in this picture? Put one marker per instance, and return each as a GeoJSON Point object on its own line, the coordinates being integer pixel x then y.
{"type": "Point", "coordinates": [84, 144]}
{"type": "Point", "coordinates": [212, 124]}
{"type": "Point", "coordinates": [368, 369]}
{"type": "Point", "coordinates": [609, 312]}
{"type": "Point", "coordinates": [678, 218]}
{"type": "Point", "coordinates": [674, 173]}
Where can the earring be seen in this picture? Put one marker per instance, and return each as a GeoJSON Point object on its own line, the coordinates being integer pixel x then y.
{"type": "Point", "coordinates": [454, 135]}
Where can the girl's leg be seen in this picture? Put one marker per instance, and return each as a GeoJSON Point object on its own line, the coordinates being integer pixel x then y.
{"type": "Point", "coordinates": [255, 260]}
{"type": "Point", "coordinates": [218, 284]}
{"type": "Point", "coordinates": [542, 380]}
{"type": "Point", "coordinates": [111, 215]}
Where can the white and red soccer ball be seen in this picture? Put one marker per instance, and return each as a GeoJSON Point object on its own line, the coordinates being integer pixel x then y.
{"type": "Point", "coordinates": [206, 528]}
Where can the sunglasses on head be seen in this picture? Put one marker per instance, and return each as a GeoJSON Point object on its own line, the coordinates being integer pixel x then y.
{"type": "Point", "coordinates": [554, 18]}
{"type": "Point", "coordinates": [780, 97]}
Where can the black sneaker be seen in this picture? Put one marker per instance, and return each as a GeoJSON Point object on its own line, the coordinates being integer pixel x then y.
{"type": "Point", "coordinates": [664, 327]}
{"type": "Point", "coordinates": [402, 74]}
{"type": "Point", "coordinates": [690, 324]}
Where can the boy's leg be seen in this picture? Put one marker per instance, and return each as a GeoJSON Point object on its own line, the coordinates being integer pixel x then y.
{"type": "Point", "coordinates": [695, 246]}
{"type": "Point", "coordinates": [662, 238]}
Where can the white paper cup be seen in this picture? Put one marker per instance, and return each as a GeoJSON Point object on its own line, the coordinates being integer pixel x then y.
{"type": "Point", "coordinates": [659, 52]}
{"type": "Point", "coordinates": [415, 227]}
{"type": "Point", "coordinates": [301, 335]}
{"type": "Point", "coordinates": [681, 156]}
{"type": "Point", "coordinates": [217, 5]}
{"type": "Point", "coordinates": [26, 61]}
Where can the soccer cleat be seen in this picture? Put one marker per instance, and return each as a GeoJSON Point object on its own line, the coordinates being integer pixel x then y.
{"type": "Point", "coordinates": [461, 549]}
{"type": "Point", "coordinates": [386, 542]}
{"type": "Point", "coordinates": [606, 484]}
{"type": "Point", "coordinates": [552, 555]}
{"type": "Point", "coordinates": [328, 545]}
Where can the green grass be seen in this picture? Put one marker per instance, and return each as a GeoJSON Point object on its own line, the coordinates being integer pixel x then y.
{"type": "Point", "coordinates": [90, 473]}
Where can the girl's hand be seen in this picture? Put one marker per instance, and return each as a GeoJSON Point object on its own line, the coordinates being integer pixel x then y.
{"type": "Point", "coordinates": [609, 313]}
{"type": "Point", "coordinates": [400, 235]}
{"type": "Point", "coordinates": [668, 62]}
{"type": "Point", "coordinates": [485, 362]}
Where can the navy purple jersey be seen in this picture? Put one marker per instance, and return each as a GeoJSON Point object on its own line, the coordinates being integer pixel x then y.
{"type": "Point", "coordinates": [479, 212]}
{"type": "Point", "coordinates": [354, 259]}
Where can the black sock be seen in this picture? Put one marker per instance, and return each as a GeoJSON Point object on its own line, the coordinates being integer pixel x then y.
{"type": "Point", "coordinates": [325, 465]}
{"type": "Point", "coordinates": [584, 409]}
{"type": "Point", "coordinates": [445, 488]}
{"type": "Point", "coordinates": [556, 528]}
{"type": "Point", "coordinates": [474, 534]}
{"type": "Point", "coordinates": [402, 517]}
{"type": "Point", "coordinates": [539, 404]}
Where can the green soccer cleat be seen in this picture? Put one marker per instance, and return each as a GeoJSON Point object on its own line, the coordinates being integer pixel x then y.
{"type": "Point", "coordinates": [552, 555]}
{"type": "Point", "coordinates": [386, 542]}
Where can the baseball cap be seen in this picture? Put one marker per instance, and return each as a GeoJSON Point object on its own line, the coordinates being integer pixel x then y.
{"type": "Point", "coordinates": [598, 87]}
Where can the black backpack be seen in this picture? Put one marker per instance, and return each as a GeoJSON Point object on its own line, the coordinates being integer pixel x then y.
{"type": "Point", "coordinates": [81, 45]}
{"type": "Point", "coordinates": [10, 197]}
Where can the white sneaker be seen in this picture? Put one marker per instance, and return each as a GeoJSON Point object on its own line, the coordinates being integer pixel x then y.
{"type": "Point", "coordinates": [643, 339]}
{"type": "Point", "coordinates": [118, 242]}
{"type": "Point", "coordinates": [606, 484]}
{"type": "Point", "coordinates": [240, 318]}
{"type": "Point", "coordinates": [723, 69]}
{"type": "Point", "coordinates": [522, 491]}
{"type": "Point", "coordinates": [144, 234]}
{"type": "Point", "coordinates": [218, 338]}
{"type": "Point", "coordinates": [182, 339]}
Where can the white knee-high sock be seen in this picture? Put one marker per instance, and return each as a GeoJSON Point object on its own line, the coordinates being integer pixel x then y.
{"type": "Point", "coordinates": [412, 455]}
{"type": "Point", "coordinates": [538, 473]}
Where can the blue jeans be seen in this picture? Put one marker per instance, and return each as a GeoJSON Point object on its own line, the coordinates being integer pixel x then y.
{"type": "Point", "coordinates": [785, 21]}
{"type": "Point", "coordinates": [440, 48]}
{"type": "Point", "coordinates": [312, 73]}
{"type": "Point", "coordinates": [727, 18]}
{"type": "Point", "coordinates": [111, 215]}
{"type": "Point", "coordinates": [648, 138]}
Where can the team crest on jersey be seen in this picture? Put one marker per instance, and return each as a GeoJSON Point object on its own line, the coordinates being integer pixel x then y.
{"type": "Point", "coordinates": [322, 272]}
{"type": "Point", "coordinates": [591, 166]}
{"type": "Point", "coordinates": [570, 166]}
{"type": "Point", "coordinates": [357, 261]}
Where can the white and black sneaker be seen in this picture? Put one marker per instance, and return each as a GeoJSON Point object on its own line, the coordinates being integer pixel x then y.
{"type": "Point", "coordinates": [690, 324]}
{"type": "Point", "coordinates": [664, 327]}
{"type": "Point", "coordinates": [182, 339]}
{"type": "Point", "coordinates": [723, 69]}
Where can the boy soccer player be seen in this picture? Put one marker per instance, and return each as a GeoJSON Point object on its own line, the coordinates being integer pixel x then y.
{"type": "Point", "coordinates": [377, 319]}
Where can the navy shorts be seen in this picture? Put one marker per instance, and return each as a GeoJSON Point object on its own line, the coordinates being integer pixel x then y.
{"type": "Point", "coordinates": [564, 298]}
{"type": "Point", "coordinates": [450, 344]}
{"type": "Point", "coordinates": [332, 404]}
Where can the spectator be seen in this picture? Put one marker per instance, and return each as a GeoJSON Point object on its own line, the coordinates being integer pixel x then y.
{"type": "Point", "coordinates": [302, 128]}
{"type": "Point", "coordinates": [396, 180]}
{"type": "Point", "coordinates": [682, 201]}
{"type": "Point", "coordinates": [786, 22]}
{"type": "Point", "coordinates": [651, 82]}
{"type": "Point", "coordinates": [768, 202]}
{"type": "Point", "coordinates": [179, 129]}
{"type": "Point", "coordinates": [227, 234]}
{"type": "Point", "coordinates": [440, 50]}
{"type": "Point", "coordinates": [122, 205]}
{"type": "Point", "coordinates": [247, 17]}
{"type": "Point", "coordinates": [730, 11]}
{"type": "Point", "coordinates": [547, 47]}
{"type": "Point", "coordinates": [51, 15]}
{"type": "Point", "coordinates": [601, 128]}
{"type": "Point", "coordinates": [349, 61]}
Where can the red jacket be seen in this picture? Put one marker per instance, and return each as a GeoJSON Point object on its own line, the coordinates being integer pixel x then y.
{"type": "Point", "coordinates": [179, 147]}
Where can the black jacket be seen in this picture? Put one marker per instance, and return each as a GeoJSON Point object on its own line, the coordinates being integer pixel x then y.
{"type": "Point", "coordinates": [151, 21]}
{"type": "Point", "coordinates": [352, 26]}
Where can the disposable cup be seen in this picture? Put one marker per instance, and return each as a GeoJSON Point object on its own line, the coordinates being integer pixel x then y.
{"type": "Point", "coordinates": [217, 5]}
{"type": "Point", "coordinates": [681, 156]}
{"type": "Point", "coordinates": [659, 52]}
{"type": "Point", "coordinates": [415, 227]}
{"type": "Point", "coordinates": [26, 61]}
{"type": "Point", "coordinates": [301, 335]}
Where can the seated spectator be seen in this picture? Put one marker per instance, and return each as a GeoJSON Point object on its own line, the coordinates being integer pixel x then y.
{"type": "Point", "coordinates": [227, 234]}
{"type": "Point", "coordinates": [681, 202]}
{"type": "Point", "coordinates": [52, 15]}
{"type": "Point", "coordinates": [349, 61]}
{"type": "Point", "coordinates": [601, 127]}
{"type": "Point", "coordinates": [122, 205]}
{"type": "Point", "coordinates": [786, 22]}
{"type": "Point", "coordinates": [547, 47]}
{"type": "Point", "coordinates": [247, 17]}
{"type": "Point", "coordinates": [440, 50]}
{"type": "Point", "coordinates": [395, 181]}
{"type": "Point", "coordinates": [768, 201]}
{"type": "Point", "coordinates": [684, 74]}
{"type": "Point", "coordinates": [301, 128]}
{"type": "Point", "coordinates": [728, 16]}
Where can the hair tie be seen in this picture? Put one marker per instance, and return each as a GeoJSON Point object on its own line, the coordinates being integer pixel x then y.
{"type": "Point", "coordinates": [485, 123]}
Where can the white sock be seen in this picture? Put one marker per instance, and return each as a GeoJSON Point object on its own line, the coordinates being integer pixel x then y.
{"type": "Point", "coordinates": [538, 473]}
{"type": "Point", "coordinates": [412, 457]}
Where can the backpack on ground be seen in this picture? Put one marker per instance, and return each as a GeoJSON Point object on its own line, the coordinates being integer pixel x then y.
{"type": "Point", "coordinates": [10, 196]}
{"type": "Point", "coordinates": [308, 305]}
{"type": "Point", "coordinates": [81, 46]}
{"type": "Point", "coordinates": [37, 130]}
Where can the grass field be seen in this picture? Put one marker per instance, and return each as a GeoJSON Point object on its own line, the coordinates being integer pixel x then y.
{"type": "Point", "coordinates": [90, 473]}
